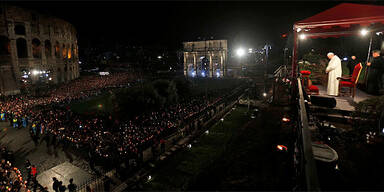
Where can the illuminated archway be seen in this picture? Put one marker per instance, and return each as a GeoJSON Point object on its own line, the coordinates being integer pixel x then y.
{"type": "Point", "coordinates": [57, 50]}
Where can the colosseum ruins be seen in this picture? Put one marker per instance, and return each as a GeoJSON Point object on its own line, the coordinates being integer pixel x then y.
{"type": "Point", "coordinates": [35, 48]}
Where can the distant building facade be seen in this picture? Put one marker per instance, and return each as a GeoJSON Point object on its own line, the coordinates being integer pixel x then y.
{"type": "Point", "coordinates": [35, 47]}
{"type": "Point", "coordinates": [205, 58]}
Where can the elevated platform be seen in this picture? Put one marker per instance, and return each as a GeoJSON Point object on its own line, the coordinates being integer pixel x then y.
{"type": "Point", "coordinates": [345, 106]}
{"type": "Point", "coordinates": [344, 102]}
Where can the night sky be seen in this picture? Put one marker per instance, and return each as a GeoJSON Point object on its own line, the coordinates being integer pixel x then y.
{"type": "Point", "coordinates": [169, 23]}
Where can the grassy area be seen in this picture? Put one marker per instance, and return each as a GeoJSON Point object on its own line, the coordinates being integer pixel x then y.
{"type": "Point", "coordinates": [180, 170]}
{"type": "Point", "coordinates": [103, 103]}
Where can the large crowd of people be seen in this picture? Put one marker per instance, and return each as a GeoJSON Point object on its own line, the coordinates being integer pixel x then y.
{"type": "Point", "coordinates": [51, 119]}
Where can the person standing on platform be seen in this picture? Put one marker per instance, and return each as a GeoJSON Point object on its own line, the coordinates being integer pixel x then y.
{"type": "Point", "coordinates": [375, 70]}
{"type": "Point", "coordinates": [334, 71]}
{"type": "Point", "coordinates": [351, 64]}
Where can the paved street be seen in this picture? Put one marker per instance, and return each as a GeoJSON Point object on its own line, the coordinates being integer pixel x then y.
{"type": "Point", "coordinates": [49, 162]}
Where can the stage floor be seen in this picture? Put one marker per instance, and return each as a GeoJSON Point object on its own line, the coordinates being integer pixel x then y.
{"type": "Point", "coordinates": [346, 102]}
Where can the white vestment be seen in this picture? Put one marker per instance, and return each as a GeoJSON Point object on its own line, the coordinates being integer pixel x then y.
{"type": "Point", "coordinates": [334, 71]}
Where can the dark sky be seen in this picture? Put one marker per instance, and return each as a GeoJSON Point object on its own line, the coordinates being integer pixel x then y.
{"type": "Point", "coordinates": [169, 23]}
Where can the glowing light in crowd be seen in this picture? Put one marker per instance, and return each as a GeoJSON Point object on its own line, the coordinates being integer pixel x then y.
{"type": "Point", "coordinates": [222, 119]}
{"type": "Point", "coordinates": [250, 50]}
{"type": "Point", "coordinates": [240, 52]}
{"type": "Point", "coordinates": [282, 147]}
{"type": "Point", "coordinates": [149, 177]}
{"type": "Point", "coordinates": [364, 32]}
{"type": "Point", "coordinates": [35, 72]}
{"type": "Point", "coordinates": [189, 146]}
{"type": "Point", "coordinates": [50, 79]}
{"type": "Point", "coordinates": [345, 58]}
{"type": "Point", "coordinates": [298, 29]}
{"type": "Point", "coordinates": [193, 74]}
{"type": "Point", "coordinates": [264, 94]}
{"type": "Point", "coordinates": [159, 57]}
{"type": "Point", "coordinates": [302, 36]}
{"type": "Point", "coordinates": [285, 119]}
{"type": "Point", "coordinates": [217, 74]}
{"type": "Point", "coordinates": [203, 74]}
{"type": "Point", "coordinates": [207, 132]}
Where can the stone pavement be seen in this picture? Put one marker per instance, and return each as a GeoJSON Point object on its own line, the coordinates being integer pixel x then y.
{"type": "Point", "coordinates": [19, 141]}
{"type": "Point", "coordinates": [63, 172]}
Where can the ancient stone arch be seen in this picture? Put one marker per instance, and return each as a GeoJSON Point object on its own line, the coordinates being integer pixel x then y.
{"type": "Point", "coordinates": [48, 49]}
{"type": "Point", "coordinates": [36, 48]}
{"type": "Point", "coordinates": [22, 50]}
{"type": "Point", "coordinates": [5, 46]}
{"type": "Point", "coordinates": [19, 29]}
{"type": "Point", "coordinates": [57, 49]}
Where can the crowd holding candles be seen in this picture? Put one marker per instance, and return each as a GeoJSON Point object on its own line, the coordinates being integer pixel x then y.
{"type": "Point", "coordinates": [51, 119]}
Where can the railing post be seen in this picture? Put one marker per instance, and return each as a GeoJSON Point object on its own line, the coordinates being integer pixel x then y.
{"type": "Point", "coordinates": [309, 162]}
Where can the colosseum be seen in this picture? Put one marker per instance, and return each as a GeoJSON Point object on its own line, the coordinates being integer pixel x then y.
{"type": "Point", "coordinates": [35, 48]}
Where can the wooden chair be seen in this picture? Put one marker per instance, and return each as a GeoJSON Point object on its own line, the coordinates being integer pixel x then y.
{"type": "Point", "coordinates": [351, 81]}
{"type": "Point", "coordinates": [307, 83]}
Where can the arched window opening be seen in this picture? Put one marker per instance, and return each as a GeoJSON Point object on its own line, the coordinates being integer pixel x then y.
{"type": "Point", "coordinates": [21, 45]}
{"type": "Point", "coordinates": [64, 51]}
{"type": "Point", "coordinates": [19, 29]}
{"type": "Point", "coordinates": [75, 52]}
{"type": "Point", "coordinates": [57, 50]}
{"type": "Point", "coordinates": [36, 48]}
{"type": "Point", "coordinates": [5, 46]}
{"type": "Point", "coordinates": [48, 50]}
{"type": "Point", "coordinates": [70, 51]}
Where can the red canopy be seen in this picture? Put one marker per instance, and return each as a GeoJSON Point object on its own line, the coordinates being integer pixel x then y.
{"type": "Point", "coordinates": [342, 20]}
{"type": "Point", "coordinates": [344, 15]}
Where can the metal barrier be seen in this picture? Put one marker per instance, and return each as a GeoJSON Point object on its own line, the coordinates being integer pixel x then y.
{"type": "Point", "coordinates": [96, 183]}
{"type": "Point", "coordinates": [303, 147]}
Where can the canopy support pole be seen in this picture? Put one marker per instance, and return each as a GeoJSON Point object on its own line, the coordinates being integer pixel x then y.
{"type": "Point", "coordinates": [366, 68]}
{"type": "Point", "coordinates": [294, 54]}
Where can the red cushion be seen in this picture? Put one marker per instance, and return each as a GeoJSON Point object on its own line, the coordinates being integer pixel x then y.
{"type": "Point", "coordinates": [313, 88]}
{"type": "Point", "coordinates": [346, 84]}
{"type": "Point", "coordinates": [305, 72]}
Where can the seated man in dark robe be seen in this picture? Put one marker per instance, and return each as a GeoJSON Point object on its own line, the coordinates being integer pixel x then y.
{"type": "Point", "coordinates": [351, 64]}
{"type": "Point", "coordinates": [375, 69]}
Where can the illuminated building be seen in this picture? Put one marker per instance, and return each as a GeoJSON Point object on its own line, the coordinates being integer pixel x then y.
{"type": "Point", "coordinates": [34, 46]}
{"type": "Point", "coordinates": [205, 58]}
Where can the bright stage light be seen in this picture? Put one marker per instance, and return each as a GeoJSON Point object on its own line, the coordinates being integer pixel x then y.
{"type": "Point", "coordinates": [35, 72]}
{"type": "Point", "coordinates": [302, 36]}
{"type": "Point", "coordinates": [364, 32]}
{"type": "Point", "coordinates": [264, 94]}
{"type": "Point", "coordinates": [240, 52]}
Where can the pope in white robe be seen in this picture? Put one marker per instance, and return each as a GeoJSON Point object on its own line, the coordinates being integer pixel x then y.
{"type": "Point", "coordinates": [334, 71]}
